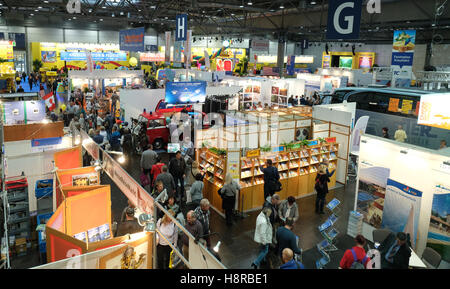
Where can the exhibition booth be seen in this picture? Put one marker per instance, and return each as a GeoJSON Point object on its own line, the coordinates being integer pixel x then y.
{"type": "Point", "coordinates": [358, 60]}
{"type": "Point", "coordinates": [404, 188]}
{"type": "Point", "coordinates": [74, 55]}
{"type": "Point", "coordinates": [296, 142]}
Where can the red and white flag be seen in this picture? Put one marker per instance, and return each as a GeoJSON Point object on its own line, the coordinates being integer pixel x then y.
{"type": "Point", "coordinates": [49, 101]}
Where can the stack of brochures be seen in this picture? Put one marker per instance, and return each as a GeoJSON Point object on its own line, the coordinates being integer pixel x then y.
{"type": "Point", "coordinates": [354, 224]}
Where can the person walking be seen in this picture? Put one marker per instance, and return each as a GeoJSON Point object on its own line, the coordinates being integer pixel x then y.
{"type": "Point", "coordinates": [169, 230]}
{"type": "Point", "coordinates": [194, 227]}
{"type": "Point", "coordinates": [286, 238]}
{"type": "Point", "coordinates": [202, 214]}
{"type": "Point", "coordinates": [167, 179]}
{"type": "Point", "coordinates": [156, 169]}
{"type": "Point", "coordinates": [263, 236]}
{"type": "Point", "coordinates": [321, 186]}
{"type": "Point", "coordinates": [228, 192]}
{"type": "Point", "coordinates": [196, 191]}
{"type": "Point", "coordinates": [126, 142]}
{"type": "Point", "coordinates": [273, 202]}
{"type": "Point", "coordinates": [288, 209]}
{"type": "Point", "coordinates": [30, 82]}
{"type": "Point", "coordinates": [400, 134]}
{"type": "Point", "coordinates": [356, 254]}
{"type": "Point", "coordinates": [177, 167]}
{"type": "Point", "coordinates": [115, 140]}
{"type": "Point", "coordinates": [148, 159]}
{"type": "Point", "coordinates": [271, 178]}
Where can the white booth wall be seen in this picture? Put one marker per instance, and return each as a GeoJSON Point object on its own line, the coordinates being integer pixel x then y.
{"type": "Point", "coordinates": [133, 101]}
{"type": "Point", "coordinates": [20, 157]}
{"type": "Point", "coordinates": [419, 168]}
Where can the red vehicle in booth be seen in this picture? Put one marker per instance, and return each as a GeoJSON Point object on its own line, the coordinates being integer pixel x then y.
{"type": "Point", "coordinates": [157, 131]}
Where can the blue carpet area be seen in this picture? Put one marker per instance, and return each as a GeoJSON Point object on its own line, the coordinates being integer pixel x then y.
{"type": "Point", "coordinates": [26, 86]}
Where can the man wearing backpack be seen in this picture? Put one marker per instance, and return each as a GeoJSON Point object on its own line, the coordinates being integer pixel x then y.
{"type": "Point", "coordinates": [355, 258]}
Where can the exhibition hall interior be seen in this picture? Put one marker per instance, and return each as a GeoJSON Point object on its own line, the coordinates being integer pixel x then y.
{"type": "Point", "coordinates": [239, 134]}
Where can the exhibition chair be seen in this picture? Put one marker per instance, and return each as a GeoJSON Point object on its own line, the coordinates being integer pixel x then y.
{"type": "Point", "coordinates": [379, 235]}
{"type": "Point", "coordinates": [431, 258]}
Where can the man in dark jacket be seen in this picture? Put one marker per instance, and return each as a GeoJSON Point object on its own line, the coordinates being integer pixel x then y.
{"type": "Point", "coordinates": [195, 228]}
{"type": "Point", "coordinates": [272, 202]}
{"type": "Point", "coordinates": [177, 167]}
{"type": "Point", "coordinates": [130, 226]}
{"type": "Point", "coordinates": [271, 177]}
{"type": "Point", "coordinates": [167, 179]}
{"type": "Point", "coordinates": [286, 238]}
{"type": "Point", "coordinates": [395, 251]}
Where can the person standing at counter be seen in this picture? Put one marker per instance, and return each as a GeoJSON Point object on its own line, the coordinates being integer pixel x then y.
{"type": "Point", "coordinates": [271, 177]}
{"type": "Point", "coordinates": [400, 134]}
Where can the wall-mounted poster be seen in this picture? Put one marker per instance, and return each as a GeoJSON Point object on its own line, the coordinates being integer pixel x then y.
{"type": "Point", "coordinates": [371, 192]}
{"type": "Point", "coordinates": [439, 230]}
{"type": "Point", "coordinates": [85, 180]}
{"type": "Point", "coordinates": [185, 92]}
{"type": "Point", "coordinates": [434, 111]}
{"type": "Point", "coordinates": [402, 209]}
{"type": "Point", "coordinates": [48, 56]}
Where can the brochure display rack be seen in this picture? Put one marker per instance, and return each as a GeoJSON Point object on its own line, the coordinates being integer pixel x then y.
{"type": "Point", "coordinates": [355, 222]}
{"type": "Point", "coordinates": [329, 233]}
{"type": "Point", "coordinates": [214, 167]}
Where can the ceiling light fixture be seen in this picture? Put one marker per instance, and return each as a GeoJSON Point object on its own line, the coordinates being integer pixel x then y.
{"type": "Point", "coordinates": [250, 3]}
{"type": "Point", "coordinates": [281, 6]}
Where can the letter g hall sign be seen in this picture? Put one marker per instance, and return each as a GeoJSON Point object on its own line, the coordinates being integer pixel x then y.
{"type": "Point", "coordinates": [344, 19]}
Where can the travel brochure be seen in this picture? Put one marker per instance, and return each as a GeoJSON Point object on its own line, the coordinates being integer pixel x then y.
{"type": "Point", "coordinates": [96, 234]}
{"type": "Point", "coordinates": [85, 180]}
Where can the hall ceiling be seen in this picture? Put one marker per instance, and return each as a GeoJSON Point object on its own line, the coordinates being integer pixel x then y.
{"type": "Point", "coordinates": [298, 19]}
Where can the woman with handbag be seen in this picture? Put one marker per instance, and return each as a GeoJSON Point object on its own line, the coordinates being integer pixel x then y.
{"type": "Point", "coordinates": [228, 193]}
{"type": "Point", "coordinates": [321, 186]}
{"type": "Point", "coordinates": [170, 232]}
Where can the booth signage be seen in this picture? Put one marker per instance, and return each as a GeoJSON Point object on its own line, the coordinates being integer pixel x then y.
{"type": "Point", "coordinates": [132, 39]}
{"type": "Point", "coordinates": [152, 57]}
{"type": "Point", "coordinates": [96, 56]}
{"type": "Point", "coordinates": [182, 27]}
{"type": "Point", "coordinates": [89, 145]}
{"type": "Point", "coordinates": [330, 139]}
{"type": "Point", "coordinates": [51, 73]}
{"type": "Point", "coordinates": [168, 36]}
{"type": "Point", "coordinates": [278, 149]}
{"type": "Point", "coordinates": [45, 143]}
{"type": "Point", "coordinates": [402, 57]}
{"type": "Point", "coordinates": [253, 153]}
{"type": "Point", "coordinates": [260, 45]}
{"type": "Point", "coordinates": [344, 19]}
{"type": "Point", "coordinates": [434, 111]}
{"type": "Point", "coordinates": [185, 92]}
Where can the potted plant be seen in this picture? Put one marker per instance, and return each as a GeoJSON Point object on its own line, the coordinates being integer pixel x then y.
{"type": "Point", "coordinates": [304, 143]}
{"type": "Point", "coordinates": [321, 140]}
{"type": "Point", "coordinates": [266, 149]}
{"type": "Point", "coordinates": [37, 64]}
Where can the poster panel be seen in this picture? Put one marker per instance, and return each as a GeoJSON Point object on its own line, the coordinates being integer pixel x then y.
{"type": "Point", "coordinates": [132, 39]}
{"type": "Point", "coordinates": [185, 92]}
{"type": "Point", "coordinates": [439, 229]}
{"type": "Point", "coordinates": [402, 209]}
{"type": "Point", "coordinates": [434, 111]}
{"type": "Point", "coordinates": [48, 56]}
{"type": "Point", "coordinates": [371, 192]}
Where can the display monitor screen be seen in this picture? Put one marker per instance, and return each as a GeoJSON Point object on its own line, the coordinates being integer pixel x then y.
{"type": "Point", "coordinates": [185, 92]}
{"type": "Point", "coordinates": [173, 147]}
{"type": "Point", "coordinates": [345, 62]}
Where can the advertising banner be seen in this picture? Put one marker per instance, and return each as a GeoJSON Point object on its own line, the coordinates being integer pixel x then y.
{"type": "Point", "coordinates": [358, 130]}
{"type": "Point", "coordinates": [152, 57]}
{"type": "Point", "coordinates": [177, 47]}
{"type": "Point", "coordinates": [290, 65]}
{"type": "Point", "coordinates": [402, 209]}
{"type": "Point", "coordinates": [260, 45]}
{"type": "Point", "coordinates": [438, 232]}
{"type": "Point", "coordinates": [344, 19]}
{"type": "Point", "coordinates": [89, 62]}
{"type": "Point", "coordinates": [132, 39]}
{"type": "Point", "coordinates": [371, 192]}
{"type": "Point", "coordinates": [185, 92]}
{"type": "Point", "coordinates": [187, 50]}
{"type": "Point", "coordinates": [48, 56]}
{"type": "Point", "coordinates": [167, 47]}
{"type": "Point", "coordinates": [403, 47]}
{"type": "Point", "coordinates": [96, 56]}
{"type": "Point", "coordinates": [434, 111]}
{"type": "Point", "coordinates": [207, 61]}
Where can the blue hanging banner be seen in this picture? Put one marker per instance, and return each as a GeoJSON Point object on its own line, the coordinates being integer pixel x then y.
{"type": "Point", "coordinates": [344, 19]}
{"type": "Point", "coordinates": [132, 40]}
{"type": "Point", "coordinates": [182, 27]}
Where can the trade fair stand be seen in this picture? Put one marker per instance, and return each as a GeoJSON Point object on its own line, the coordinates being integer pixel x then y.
{"type": "Point", "coordinates": [242, 149]}
{"type": "Point", "coordinates": [404, 188]}
{"type": "Point", "coordinates": [433, 80]}
{"type": "Point", "coordinates": [199, 256]}
{"type": "Point", "coordinates": [104, 82]}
